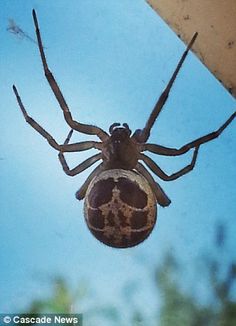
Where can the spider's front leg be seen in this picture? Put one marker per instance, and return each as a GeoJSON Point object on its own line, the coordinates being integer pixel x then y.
{"type": "Point", "coordinates": [142, 135]}
{"type": "Point", "coordinates": [84, 128]}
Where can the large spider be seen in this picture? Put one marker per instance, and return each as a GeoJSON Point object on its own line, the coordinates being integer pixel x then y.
{"type": "Point", "coordinates": [121, 182]}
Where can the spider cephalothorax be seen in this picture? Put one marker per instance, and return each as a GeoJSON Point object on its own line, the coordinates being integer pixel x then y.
{"type": "Point", "coordinates": [120, 150]}
{"type": "Point", "coordinates": [115, 189]}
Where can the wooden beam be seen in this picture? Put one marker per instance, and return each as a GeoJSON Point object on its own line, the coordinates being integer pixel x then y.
{"type": "Point", "coordinates": [215, 22]}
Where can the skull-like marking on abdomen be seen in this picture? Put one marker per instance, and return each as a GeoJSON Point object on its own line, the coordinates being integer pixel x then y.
{"type": "Point", "coordinates": [120, 208]}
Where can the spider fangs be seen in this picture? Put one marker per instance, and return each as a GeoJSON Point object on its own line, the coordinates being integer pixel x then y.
{"type": "Point", "coordinates": [120, 194]}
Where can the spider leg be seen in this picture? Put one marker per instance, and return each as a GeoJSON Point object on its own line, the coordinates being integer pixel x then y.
{"type": "Point", "coordinates": [66, 142]}
{"type": "Point", "coordinates": [161, 150]}
{"type": "Point", "coordinates": [82, 191]}
{"type": "Point", "coordinates": [84, 128]}
{"type": "Point", "coordinates": [76, 147]}
{"type": "Point", "coordinates": [143, 135]}
{"type": "Point", "coordinates": [159, 193]}
{"type": "Point", "coordinates": [79, 168]}
{"type": "Point", "coordinates": [161, 174]}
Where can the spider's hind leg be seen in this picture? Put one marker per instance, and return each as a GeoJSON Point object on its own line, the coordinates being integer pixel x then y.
{"type": "Point", "coordinates": [80, 194]}
{"type": "Point", "coordinates": [159, 193]}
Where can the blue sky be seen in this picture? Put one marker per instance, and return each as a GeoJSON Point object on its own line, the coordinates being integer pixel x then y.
{"type": "Point", "coordinates": [111, 59]}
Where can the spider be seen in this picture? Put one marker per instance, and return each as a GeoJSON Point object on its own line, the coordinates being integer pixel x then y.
{"type": "Point", "coordinates": [120, 193]}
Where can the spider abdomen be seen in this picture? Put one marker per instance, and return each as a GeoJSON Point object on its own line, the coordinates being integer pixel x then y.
{"type": "Point", "coordinates": [120, 208]}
